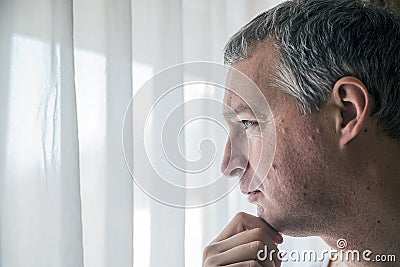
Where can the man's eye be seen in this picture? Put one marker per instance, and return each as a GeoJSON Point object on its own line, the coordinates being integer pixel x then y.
{"type": "Point", "coordinates": [247, 124]}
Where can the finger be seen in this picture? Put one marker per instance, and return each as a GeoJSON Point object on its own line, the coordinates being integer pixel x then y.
{"type": "Point", "coordinates": [245, 252]}
{"type": "Point", "coordinates": [275, 232]}
{"type": "Point", "coordinates": [251, 263]}
{"type": "Point", "coordinates": [242, 222]}
{"type": "Point", "coordinates": [256, 234]}
{"type": "Point", "coordinates": [248, 236]}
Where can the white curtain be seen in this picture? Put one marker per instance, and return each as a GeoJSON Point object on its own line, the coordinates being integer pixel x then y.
{"type": "Point", "coordinates": [40, 201]}
{"type": "Point", "coordinates": [68, 70]}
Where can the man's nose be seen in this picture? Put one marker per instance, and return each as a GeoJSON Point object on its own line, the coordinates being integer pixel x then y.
{"type": "Point", "coordinates": [235, 161]}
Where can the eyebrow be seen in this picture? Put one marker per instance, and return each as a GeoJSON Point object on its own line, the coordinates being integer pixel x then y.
{"type": "Point", "coordinates": [228, 115]}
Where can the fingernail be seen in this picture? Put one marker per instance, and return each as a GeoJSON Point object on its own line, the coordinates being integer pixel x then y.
{"type": "Point", "coordinates": [279, 238]}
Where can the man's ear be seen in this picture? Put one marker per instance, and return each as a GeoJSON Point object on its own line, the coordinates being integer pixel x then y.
{"type": "Point", "coordinates": [352, 99]}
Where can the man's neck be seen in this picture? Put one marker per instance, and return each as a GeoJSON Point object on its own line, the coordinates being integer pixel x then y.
{"type": "Point", "coordinates": [374, 223]}
{"type": "Point", "coordinates": [369, 242]}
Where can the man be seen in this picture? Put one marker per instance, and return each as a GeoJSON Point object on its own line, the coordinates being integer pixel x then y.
{"type": "Point", "coordinates": [330, 71]}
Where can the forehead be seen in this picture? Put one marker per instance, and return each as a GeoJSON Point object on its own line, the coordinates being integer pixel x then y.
{"type": "Point", "coordinates": [249, 81]}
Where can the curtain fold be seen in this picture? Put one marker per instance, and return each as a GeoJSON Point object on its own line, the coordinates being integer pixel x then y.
{"type": "Point", "coordinates": [103, 65]}
{"type": "Point", "coordinates": [40, 184]}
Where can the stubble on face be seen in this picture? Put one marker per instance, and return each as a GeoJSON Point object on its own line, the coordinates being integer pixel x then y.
{"type": "Point", "coordinates": [299, 191]}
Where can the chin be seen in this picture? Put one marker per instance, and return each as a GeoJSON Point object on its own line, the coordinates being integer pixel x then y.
{"type": "Point", "coordinates": [283, 223]}
{"type": "Point", "coordinates": [266, 216]}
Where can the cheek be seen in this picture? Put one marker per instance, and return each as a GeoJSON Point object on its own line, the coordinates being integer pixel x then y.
{"type": "Point", "coordinates": [254, 156]}
{"type": "Point", "coordinates": [261, 154]}
{"type": "Point", "coordinates": [255, 146]}
{"type": "Point", "coordinates": [298, 165]}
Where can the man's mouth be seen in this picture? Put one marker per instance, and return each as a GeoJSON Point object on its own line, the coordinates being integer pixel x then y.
{"type": "Point", "coordinates": [254, 196]}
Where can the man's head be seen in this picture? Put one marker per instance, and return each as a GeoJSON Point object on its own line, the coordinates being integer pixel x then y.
{"type": "Point", "coordinates": [331, 73]}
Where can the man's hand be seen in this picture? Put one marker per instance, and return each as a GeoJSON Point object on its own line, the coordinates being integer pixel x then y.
{"type": "Point", "coordinates": [240, 242]}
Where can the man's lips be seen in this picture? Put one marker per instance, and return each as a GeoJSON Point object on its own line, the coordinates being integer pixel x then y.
{"type": "Point", "coordinates": [253, 196]}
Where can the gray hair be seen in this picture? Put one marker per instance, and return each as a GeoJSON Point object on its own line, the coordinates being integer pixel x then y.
{"type": "Point", "coordinates": [321, 41]}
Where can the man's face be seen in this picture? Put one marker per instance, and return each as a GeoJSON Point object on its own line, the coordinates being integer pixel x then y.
{"type": "Point", "coordinates": [295, 188]}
